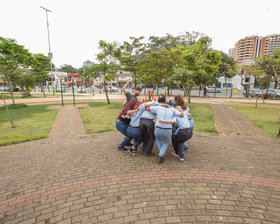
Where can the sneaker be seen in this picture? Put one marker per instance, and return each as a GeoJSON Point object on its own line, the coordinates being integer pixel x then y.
{"type": "Point", "coordinates": [149, 154]}
{"type": "Point", "coordinates": [160, 159]}
{"type": "Point", "coordinates": [174, 154]}
{"type": "Point", "coordinates": [130, 151]}
{"type": "Point", "coordinates": [181, 159]}
{"type": "Point", "coordinates": [135, 149]}
{"type": "Point", "coordinates": [186, 149]}
{"type": "Point", "coordinates": [122, 148]}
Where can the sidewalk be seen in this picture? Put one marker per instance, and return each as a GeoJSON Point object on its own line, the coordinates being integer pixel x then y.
{"type": "Point", "coordinates": [121, 98]}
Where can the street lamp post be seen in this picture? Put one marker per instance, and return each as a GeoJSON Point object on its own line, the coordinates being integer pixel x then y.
{"type": "Point", "coordinates": [49, 41]}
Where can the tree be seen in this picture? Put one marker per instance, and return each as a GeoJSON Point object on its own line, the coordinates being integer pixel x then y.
{"type": "Point", "coordinates": [68, 69]}
{"type": "Point", "coordinates": [271, 66]}
{"type": "Point", "coordinates": [26, 80]}
{"type": "Point", "coordinates": [108, 62]}
{"type": "Point", "coordinates": [168, 42]}
{"type": "Point", "coordinates": [131, 54]}
{"type": "Point", "coordinates": [157, 68]}
{"type": "Point", "coordinates": [199, 63]}
{"type": "Point", "coordinates": [13, 56]}
{"type": "Point", "coordinates": [41, 70]}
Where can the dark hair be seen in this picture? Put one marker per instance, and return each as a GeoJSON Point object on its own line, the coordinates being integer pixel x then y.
{"type": "Point", "coordinates": [161, 98]}
{"type": "Point", "coordinates": [179, 101]}
{"type": "Point", "coordinates": [138, 88]}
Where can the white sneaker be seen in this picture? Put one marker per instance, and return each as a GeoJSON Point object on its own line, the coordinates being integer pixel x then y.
{"type": "Point", "coordinates": [181, 159]}
{"type": "Point", "coordinates": [174, 154]}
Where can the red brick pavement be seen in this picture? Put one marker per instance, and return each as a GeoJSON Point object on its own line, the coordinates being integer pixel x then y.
{"type": "Point", "coordinates": [68, 122]}
{"type": "Point", "coordinates": [64, 189]}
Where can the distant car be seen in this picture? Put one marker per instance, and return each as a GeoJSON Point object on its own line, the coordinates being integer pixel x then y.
{"type": "Point", "coordinates": [273, 93]}
{"type": "Point", "coordinates": [111, 89]}
{"type": "Point", "coordinates": [211, 89]}
{"type": "Point", "coordinates": [254, 92]}
{"type": "Point", "coordinates": [81, 90]}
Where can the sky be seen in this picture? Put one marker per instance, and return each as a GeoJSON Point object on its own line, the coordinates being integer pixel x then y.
{"type": "Point", "coordinates": [77, 26]}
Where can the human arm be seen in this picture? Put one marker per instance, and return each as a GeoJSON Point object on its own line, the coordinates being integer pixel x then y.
{"type": "Point", "coordinates": [166, 121]}
{"type": "Point", "coordinates": [130, 112]}
{"type": "Point", "coordinates": [125, 85]}
{"type": "Point", "coordinates": [181, 111]}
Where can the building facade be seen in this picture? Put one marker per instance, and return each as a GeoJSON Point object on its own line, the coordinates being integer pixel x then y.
{"type": "Point", "coordinates": [249, 48]}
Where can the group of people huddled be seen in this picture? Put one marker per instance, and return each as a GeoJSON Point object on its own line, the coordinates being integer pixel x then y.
{"type": "Point", "coordinates": [172, 121]}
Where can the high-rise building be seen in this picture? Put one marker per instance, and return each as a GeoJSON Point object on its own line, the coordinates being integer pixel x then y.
{"type": "Point", "coordinates": [269, 43]}
{"type": "Point", "coordinates": [88, 63]}
{"type": "Point", "coordinates": [249, 48]}
{"type": "Point", "coordinates": [231, 52]}
{"type": "Point", "coordinates": [246, 49]}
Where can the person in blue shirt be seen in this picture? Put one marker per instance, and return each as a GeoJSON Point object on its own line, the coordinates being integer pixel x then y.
{"type": "Point", "coordinates": [163, 131]}
{"type": "Point", "coordinates": [183, 133]}
{"type": "Point", "coordinates": [133, 129]}
{"type": "Point", "coordinates": [179, 101]}
{"type": "Point", "coordinates": [147, 128]}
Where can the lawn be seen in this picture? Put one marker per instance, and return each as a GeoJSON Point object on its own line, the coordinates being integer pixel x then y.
{"type": "Point", "coordinates": [266, 118]}
{"type": "Point", "coordinates": [100, 117]}
{"type": "Point", "coordinates": [32, 122]}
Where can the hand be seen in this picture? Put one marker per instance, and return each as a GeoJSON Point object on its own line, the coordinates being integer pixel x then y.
{"type": "Point", "coordinates": [123, 116]}
{"type": "Point", "coordinates": [190, 115]}
{"type": "Point", "coordinates": [179, 107]}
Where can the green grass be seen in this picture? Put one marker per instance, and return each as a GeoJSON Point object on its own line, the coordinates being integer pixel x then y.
{"type": "Point", "coordinates": [203, 117]}
{"type": "Point", "coordinates": [32, 122]}
{"type": "Point", "coordinates": [100, 117]}
{"type": "Point", "coordinates": [266, 118]}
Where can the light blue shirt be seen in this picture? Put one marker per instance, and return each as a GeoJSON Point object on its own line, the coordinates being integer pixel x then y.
{"type": "Point", "coordinates": [135, 118]}
{"type": "Point", "coordinates": [183, 122]}
{"type": "Point", "coordinates": [164, 114]}
{"type": "Point", "coordinates": [147, 114]}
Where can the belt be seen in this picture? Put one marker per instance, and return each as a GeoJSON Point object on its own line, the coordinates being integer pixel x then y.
{"type": "Point", "coordinates": [164, 128]}
{"type": "Point", "coordinates": [187, 129]}
{"type": "Point", "coordinates": [134, 127]}
{"type": "Point", "coordinates": [142, 118]}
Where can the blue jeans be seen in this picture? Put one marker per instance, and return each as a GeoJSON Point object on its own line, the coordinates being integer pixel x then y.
{"type": "Point", "coordinates": [122, 128]}
{"type": "Point", "coordinates": [136, 134]}
{"type": "Point", "coordinates": [163, 137]}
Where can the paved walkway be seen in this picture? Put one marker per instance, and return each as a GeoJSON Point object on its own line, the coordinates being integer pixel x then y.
{"type": "Point", "coordinates": [224, 179]}
{"type": "Point", "coordinates": [68, 122]}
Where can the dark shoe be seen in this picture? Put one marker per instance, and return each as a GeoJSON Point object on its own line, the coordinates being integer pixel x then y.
{"type": "Point", "coordinates": [135, 149]}
{"type": "Point", "coordinates": [130, 152]}
{"type": "Point", "coordinates": [186, 149]}
{"type": "Point", "coordinates": [149, 154]}
{"type": "Point", "coordinates": [160, 159]}
{"type": "Point", "coordinates": [122, 148]}
{"type": "Point", "coordinates": [129, 144]}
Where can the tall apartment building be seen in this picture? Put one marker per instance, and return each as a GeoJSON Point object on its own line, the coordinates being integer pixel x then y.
{"type": "Point", "coordinates": [249, 48]}
{"type": "Point", "coordinates": [269, 43]}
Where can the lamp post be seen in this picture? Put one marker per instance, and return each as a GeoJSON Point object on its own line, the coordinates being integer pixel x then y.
{"type": "Point", "coordinates": [49, 54]}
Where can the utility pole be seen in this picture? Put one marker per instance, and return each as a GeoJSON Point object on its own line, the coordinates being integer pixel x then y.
{"type": "Point", "coordinates": [49, 54]}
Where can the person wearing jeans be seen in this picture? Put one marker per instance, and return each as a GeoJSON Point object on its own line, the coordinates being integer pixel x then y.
{"type": "Point", "coordinates": [163, 131]}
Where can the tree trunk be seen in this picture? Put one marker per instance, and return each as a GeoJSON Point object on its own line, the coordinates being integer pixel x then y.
{"type": "Point", "coordinates": [106, 93]}
{"type": "Point", "coordinates": [11, 92]}
{"type": "Point", "coordinates": [8, 113]}
{"type": "Point", "coordinates": [185, 91]}
{"type": "Point", "coordinates": [256, 105]}
{"type": "Point", "coordinates": [275, 84]}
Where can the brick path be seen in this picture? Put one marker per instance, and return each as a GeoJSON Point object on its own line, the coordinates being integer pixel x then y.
{"type": "Point", "coordinates": [68, 122]}
{"type": "Point", "coordinates": [229, 121]}
{"type": "Point", "coordinates": [224, 179]}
